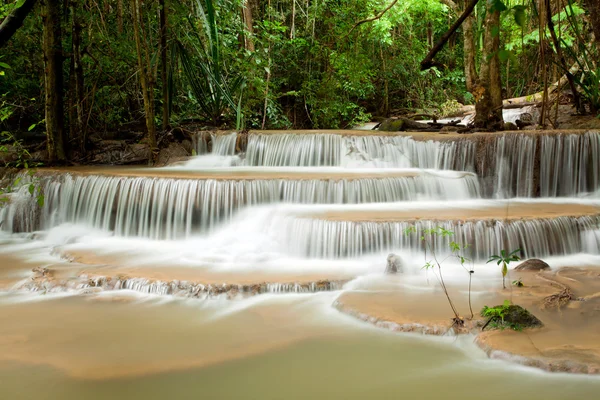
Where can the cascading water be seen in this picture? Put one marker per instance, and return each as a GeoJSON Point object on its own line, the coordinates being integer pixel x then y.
{"type": "Point", "coordinates": [202, 216]}
{"type": "Point", "coordinates": [570, 164]}
{"type": "Point", "coordinates": [378, 151]}
{"type": "Point", "coordinates": [317, 238]}
{"type": "Point", "coordinates": [508, 165]}
{"type": "Point", "coordinates": [514, 166]}
{"type": "Point", "coordinates": [175, 208]}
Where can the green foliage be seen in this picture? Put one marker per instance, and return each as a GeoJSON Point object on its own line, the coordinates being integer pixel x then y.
{"type": "Point", "coordinates": [498, 311]}
{"type": "Point", "coordinates": [204, 68]}
{"type": "Point", "coordinates": [518, 283]}
{"type": "Point", "coordinates": [9, 144]}
{"type": "Point", "coordinates": [325, 73]}
{"type": "Point", "coordinates": [505, 258]}
{"type": "Point", "coordinates": [496, 317]}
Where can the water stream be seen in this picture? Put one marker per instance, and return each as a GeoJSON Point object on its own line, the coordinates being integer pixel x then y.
{"type": "Point", "coordinates": [112, 309]}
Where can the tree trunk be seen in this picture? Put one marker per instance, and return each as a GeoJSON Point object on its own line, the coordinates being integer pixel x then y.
{"type": "Point", "coordinates": [293, 27]}
{"type": "Point", "coordinates": [428, 60]}
{"type": "Point", "coordinates": [120, 16]}
{"type": "Point", "coordinates": [163, 66]}
{"type": "Point", "coordinates": [14, 21]}
{"type": "Point", "coordinates": [53, 79]}
{"type": "Point", "coordinates": [248, 25]}
{"type": "Point", "coordinates": [593, 6]}
{"type": "Point", "coordinates": [145, 74]}
{"type": "Point", "coordinates": [76, 113]}
{"type": "Point", "coordinates": [488, 92]}
{"type": "Point", "coordinates": [469, 51]}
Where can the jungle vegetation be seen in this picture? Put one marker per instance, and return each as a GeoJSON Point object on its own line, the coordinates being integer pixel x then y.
{"type": "Point", "coordinates": [73, 68]}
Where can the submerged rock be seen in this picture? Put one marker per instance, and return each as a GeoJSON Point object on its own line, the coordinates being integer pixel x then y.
{"type": "Point", "coordinates": [394, 264]}
{"type": "Point", "coordinates": [533, 264]}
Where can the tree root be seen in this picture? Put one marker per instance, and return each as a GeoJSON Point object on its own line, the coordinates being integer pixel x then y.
{"type": "Point", "coordinates": [560, 299]}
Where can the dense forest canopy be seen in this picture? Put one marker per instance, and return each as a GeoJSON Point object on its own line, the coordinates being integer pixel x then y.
{"type": "Point", "coordinates": [70, 69]}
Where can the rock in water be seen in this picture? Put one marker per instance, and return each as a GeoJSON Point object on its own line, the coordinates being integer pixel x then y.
{"type": "Point", "coordinates": [519, 316]}
{"type": "Point", "coordinates": [515, 317]}
{"type": "Point", "coordinates": [394, 264]}
{"type": "Point", "coordinates": [533, 265]}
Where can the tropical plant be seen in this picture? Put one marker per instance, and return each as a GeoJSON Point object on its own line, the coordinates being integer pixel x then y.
{"type": "Point", "coordinates": [211, 85]}
{"type": "Point", "coordinates": [505, 258]}
{"type": "Point", "coordinates": [497, 316]}
{"type": "Point", "coordinates": [518, 283]}
{"type": "Point", "coordinates": [436, 265]}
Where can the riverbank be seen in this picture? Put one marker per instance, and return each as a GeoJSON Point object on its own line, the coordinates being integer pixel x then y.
{"type": "Point", "coordinates": [568, 341]}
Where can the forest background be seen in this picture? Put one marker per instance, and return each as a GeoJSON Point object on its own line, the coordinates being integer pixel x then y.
{"type": "Point", "coordinates": [75, 70]}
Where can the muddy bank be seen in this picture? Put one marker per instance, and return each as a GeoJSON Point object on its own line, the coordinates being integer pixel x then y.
{"type": "Point", "coordinates": [567, 301]}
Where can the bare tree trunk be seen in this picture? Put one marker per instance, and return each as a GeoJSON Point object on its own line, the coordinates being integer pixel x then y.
{"type": "Point", "coordinates": [14, 21]}
{"type": "Point", "coordinates": [163, 66]}
{"type": "Point", "coordinates": [428, 60]}
{"type": "Point", "coordinates": [145, 74]}
{"type": "Point", "coordinates": [488, 92]}
{"type": "Point", "coordinates": [248, 25]}
{"type": "Point", "coordinates": [53, 79]}
{"type": "Point", "coordinates": [469, 51]}
{"type": "Point", "coordinates": [120, 16]}
{"type": "Point", "coordinates": [78, 131]}
{"type": "Point", "coordinates": [292, 29]}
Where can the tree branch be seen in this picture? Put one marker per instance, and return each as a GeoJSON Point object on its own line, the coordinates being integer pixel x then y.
{"type": "Point", "coordinates": [428, 60]}
{"type": "Point", "coordinates": [376, 17]}
{"type": "Point", "coordinates": [14, 21]}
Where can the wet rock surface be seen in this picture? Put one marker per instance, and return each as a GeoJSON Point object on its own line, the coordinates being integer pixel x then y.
{"type": "Point", "coordinates": [533, 264]}
{"type": "Point", "coordinates": [44, 281]}
{"type": "Point", "coordinates": [394, 264]}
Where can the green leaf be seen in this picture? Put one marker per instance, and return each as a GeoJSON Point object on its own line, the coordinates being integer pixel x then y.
{"type": "Point", "coordinates": [520, 15]}
{"type": "Point", "coordinates": [504, 55]}
{"type": "Point", "coordinates": [497, 5]}
{"type": "Point", "coordinates": [4, 65]}
{"type": "Point", "coordinates": [32, 127]}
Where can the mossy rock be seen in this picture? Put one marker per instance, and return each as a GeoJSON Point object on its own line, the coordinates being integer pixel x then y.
{"type": "Point", "coordinates": [512, 316]}
{"type": "Point", "coordinates": [392, 125]}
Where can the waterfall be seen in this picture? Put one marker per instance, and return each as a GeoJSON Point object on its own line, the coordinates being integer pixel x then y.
{"type": "Point", "coordinates": [569, 164]}
{"type": "Point", "coordinates": [169, 208]}
{"type": "Point", "coordinates": [405, 152]}
{"type": "Point", "coordinates": [294, 150]}
{"type": "Point", "coordinates": [316, 238]}
{"type": "Point", "coordinates": [304, 150]}
{"type": "Point", "coordinates": [508, 165]}
{"type": "Point", "coordinates": [224, 145]}
{"type": "Point", "coordinates": [514, 169]}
